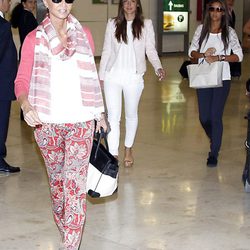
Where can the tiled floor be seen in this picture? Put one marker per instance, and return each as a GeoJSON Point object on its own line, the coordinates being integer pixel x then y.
{"type": "Point", "coordinates": [169, 200]}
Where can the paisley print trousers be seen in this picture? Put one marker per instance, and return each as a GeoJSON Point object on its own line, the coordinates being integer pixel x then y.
{"type": "Point", "coordinates": [66, 150]}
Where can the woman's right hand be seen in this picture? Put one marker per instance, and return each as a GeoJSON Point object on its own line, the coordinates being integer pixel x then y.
{"type": "Point", "coordinates": [30, 115]}
{"type": "Point", "coordinates": [102, 123]}
{"type": "Point", "coordinates": [161, 74]}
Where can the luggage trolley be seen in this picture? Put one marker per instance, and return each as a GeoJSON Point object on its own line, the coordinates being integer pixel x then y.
{"type": "Point", "coordinates": [246, 171]}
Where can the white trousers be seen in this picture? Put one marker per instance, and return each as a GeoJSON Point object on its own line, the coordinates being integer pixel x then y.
{"type": "Point", "coordinates": [113, 95]}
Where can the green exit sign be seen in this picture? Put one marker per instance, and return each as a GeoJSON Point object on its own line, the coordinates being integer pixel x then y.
{"type": "Point", "coordinates": [175, 5]}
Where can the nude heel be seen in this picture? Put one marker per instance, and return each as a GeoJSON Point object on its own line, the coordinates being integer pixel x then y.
{"type": "Point", "coordinates": [128, 158]}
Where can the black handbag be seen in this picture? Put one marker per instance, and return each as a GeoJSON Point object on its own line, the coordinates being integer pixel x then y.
{"type": "Point", "coordinates": [102, 178]}
{"type": "Point", "coordinates": [246, 170]}
{"type": "Point", "coordinates": [183, 69]}
{"type": "Point", "coordinates": [248, 85]}
{"type": "Point", "coordinates": [235, 69]}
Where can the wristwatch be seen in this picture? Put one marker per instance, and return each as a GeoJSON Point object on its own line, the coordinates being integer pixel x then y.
{"type": "Point", "coordinates": [222, 58]}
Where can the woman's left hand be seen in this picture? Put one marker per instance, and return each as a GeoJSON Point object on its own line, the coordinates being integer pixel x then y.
{"type": "Point", "coordinates": [161, 74]}
{"type": "Point", "coordinates": [102, 123]}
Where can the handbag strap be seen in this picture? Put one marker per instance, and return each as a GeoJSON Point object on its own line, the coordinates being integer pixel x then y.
{"type": "Point", "coordinates": [101, 135]}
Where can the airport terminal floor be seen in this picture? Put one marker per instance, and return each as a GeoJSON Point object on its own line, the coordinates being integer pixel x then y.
{"type": "Point", "coordinates": [168, 200]}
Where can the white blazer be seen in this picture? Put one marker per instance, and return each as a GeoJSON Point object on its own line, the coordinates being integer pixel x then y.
{"type": "Point", "coordinates": [144, 46]}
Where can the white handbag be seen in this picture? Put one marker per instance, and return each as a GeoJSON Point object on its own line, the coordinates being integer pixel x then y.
{"type": "Point", "coordinates": [204, 75]}
{"type": "Point", "coordinates": [102, 178]}
{"type": "Point", "coordinates": [100, 184]}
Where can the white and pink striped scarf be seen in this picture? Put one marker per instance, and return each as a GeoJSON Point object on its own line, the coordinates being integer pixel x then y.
{"type": "Point", "coordinates": [47, 43]}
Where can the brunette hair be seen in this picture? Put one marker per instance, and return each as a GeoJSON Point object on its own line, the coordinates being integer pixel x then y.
{"type": "Point", "coordinates": [121, 23]}
{"type": "Point", "coordinates": [206, 29]}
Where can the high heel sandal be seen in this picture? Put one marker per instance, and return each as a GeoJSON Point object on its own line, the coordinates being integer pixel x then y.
{"type": "Point", "coordinates": [128, 159]}
{"type": "Point", "coordinates": [128, 163]}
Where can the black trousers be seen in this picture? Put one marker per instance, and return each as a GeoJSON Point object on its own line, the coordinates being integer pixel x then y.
{"type": "Point", "coordinates": [4, 125]}
{"type": "Point", "coordinates": [211, 103]}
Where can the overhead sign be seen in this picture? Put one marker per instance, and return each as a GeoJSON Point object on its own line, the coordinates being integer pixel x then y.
{"type": "Point", "coordinates": [175, 15]}
{"type": "Point", "coordinates": [175, 5]}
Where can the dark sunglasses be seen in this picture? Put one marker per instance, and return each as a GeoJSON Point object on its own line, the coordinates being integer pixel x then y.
{"type": "Point", "coordinates": [217, 9]}
{"type": "Point", "coordinates": [66, 1]}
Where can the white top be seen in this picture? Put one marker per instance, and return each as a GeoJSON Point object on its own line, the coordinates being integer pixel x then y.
{"type": "Point", "coordinates": [215, 41]}
{"type": "Point", "coordinates": [142, 47]}
{"type": "Point", "coordinates": [1, 14]}
{"type": "Point", "coordinates": [66, 101]}
{"type": "Point", "coordinates": [124, 67]}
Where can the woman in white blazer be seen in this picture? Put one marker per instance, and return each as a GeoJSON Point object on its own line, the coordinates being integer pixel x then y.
{"type": "Point", "coordinates": [128, 39]}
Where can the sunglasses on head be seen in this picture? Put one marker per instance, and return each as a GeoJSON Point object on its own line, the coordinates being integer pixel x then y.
{"type": "Point", "coordinates": [217, 9]}
{"type": "Point", "coordinates": [66, 1]}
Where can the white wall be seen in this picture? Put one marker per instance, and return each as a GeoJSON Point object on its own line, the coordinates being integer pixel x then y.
{"type": "Point", "coordinates": [239, 10]}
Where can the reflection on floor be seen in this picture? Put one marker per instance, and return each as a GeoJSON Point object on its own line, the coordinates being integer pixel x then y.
{"type": "Point", "coordinates": [169, 200]}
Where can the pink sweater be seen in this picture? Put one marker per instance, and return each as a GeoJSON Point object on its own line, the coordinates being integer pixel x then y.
{"type": "Point", "coordinates": [22, 82]}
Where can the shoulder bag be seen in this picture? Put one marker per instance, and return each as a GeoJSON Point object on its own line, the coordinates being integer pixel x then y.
{"type": "Point", "coordinates": [204, 75]}
{"type": "Point", "coordinates": [102, 178]}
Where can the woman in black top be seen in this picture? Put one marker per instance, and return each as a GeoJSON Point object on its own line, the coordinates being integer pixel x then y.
{"type": "Point", "coordinates": [23, 19]}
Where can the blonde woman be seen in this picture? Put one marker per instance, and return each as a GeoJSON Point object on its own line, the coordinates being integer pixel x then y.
{"type": "Point", "coordinates": [58, 88]}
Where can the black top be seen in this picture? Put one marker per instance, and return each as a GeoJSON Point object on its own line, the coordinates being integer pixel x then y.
{"type": "Point", "coordinates": [8, 61]}
{"type": "Point", "coordinates": [26, 24]}
{"type": "Point", "coordinates": [232, 19]}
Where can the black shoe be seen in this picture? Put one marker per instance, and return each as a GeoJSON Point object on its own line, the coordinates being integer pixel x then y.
{"type": "Point", "coordinates": [212, 161]}
{"type": "Point", "coordinates": [21, 115]}
{"type": "Point", "coordinates": [245, 174]}
{"type": "Point", "coordinates": [5, 167]}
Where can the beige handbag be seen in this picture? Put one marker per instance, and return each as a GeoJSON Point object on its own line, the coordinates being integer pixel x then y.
{"type": "Point", "coordinates": [204, 75]}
